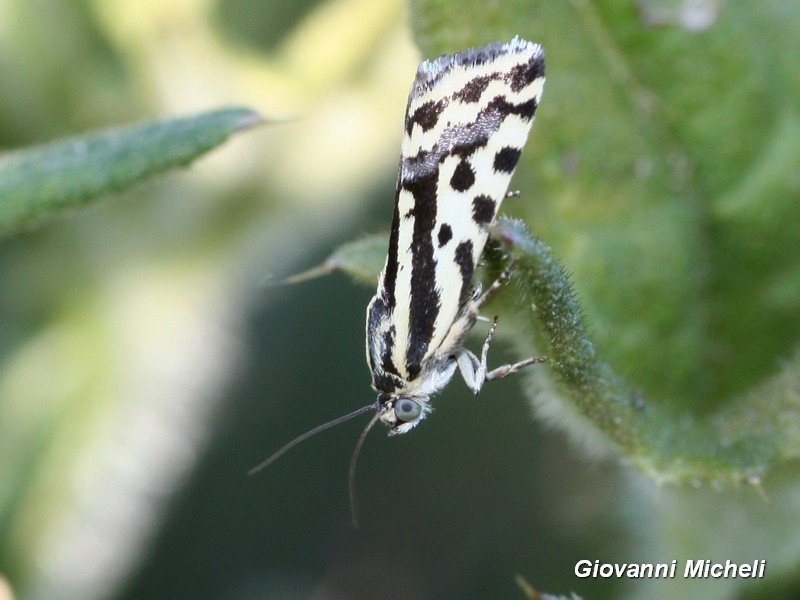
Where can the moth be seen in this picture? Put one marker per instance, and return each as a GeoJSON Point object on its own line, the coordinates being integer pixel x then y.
{"type": "Point", "coordinates": [467, 121]}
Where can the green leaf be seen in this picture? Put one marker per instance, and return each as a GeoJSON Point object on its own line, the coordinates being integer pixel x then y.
{"type": "Point", "coordinates": [39, 182]}
{"type": "Point", "coordinates": [664, 172]}
{"type": "Point", "coordinates": [361, 259]}
{"type": "Point", "coordinates": [736, 444]}
{"type": "Point", "coordinates": [666, 162]}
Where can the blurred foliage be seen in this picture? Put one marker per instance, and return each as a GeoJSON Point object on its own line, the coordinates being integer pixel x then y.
{"type": "Point", "coordinates": [685, 166]}
{"type": "Point", "coordinates": [40, 182]}
{"type": "Point", "coordinates": [663, 173]}
{"type": "Point", "coordinates": [678, 217]}
{"type": "Point", "coordinates": [262, 24]}
{"type": "Point", "coordinates": [664, 167]}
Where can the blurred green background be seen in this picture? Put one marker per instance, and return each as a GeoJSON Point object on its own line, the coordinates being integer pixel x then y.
{"type": "Point", "coordinates": [147, 360]}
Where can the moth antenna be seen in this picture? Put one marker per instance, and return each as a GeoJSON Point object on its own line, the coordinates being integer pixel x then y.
{"type": "Point", "coordinates": [353, 461]}
{"type": "Point", "coordinates": [308, 434]}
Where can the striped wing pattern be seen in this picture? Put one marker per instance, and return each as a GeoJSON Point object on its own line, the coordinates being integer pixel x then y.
{"type": "Point", "coordinates": [467, 120]}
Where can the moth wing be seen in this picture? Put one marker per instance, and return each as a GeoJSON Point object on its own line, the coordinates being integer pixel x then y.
{"type": "Point", "coordinates": [467, 120]}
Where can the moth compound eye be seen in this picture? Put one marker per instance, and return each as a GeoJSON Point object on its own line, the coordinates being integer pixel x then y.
{"type": "Point", "coordinates": [407, 410]}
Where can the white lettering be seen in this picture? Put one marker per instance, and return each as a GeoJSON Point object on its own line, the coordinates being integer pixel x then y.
{"type": "Point", "coordinates": [644, 570]}
{"type": "Point", "coordinates": [583, 568]}
{"type": "Point", "coordinates": [733, 566]}
{"type": "Point", "coordinates": [694, 568]}
{"type": "Point", "coordinates": [662, 570]}
{"type": "Point", "coordinates": [606, 570]}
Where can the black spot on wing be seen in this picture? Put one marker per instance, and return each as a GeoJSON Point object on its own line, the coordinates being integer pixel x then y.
{"type": "Point", "coordinates": [425, 301]}
{"type": "Point", "coordinates": [472, 140]}
{"type": "Point", "coordinates": [445, 234]}
{"type": "Point", "coordinates": [463, 176]}
{"type": "Point", "coordinates": [466, 263]}
{"type": "Point", "coordinates": [501, 105]}
{"type": "Point", "coordinates": [426, 115]}
{"type": "Point", "coordinates": [472, 91]}
{"type": "Point", "coordinates": [483, 209]}
{"type": "Point", "coordinates": [506, 159]}
{"type": "Point", "coordinates": [524, 74]}
{"type": "Point", "coordinates": [527, 110]}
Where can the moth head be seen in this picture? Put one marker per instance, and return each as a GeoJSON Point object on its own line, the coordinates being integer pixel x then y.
{"type": "Point", "coordinates": [402, 413]}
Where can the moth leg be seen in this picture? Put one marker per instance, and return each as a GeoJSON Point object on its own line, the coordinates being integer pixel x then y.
{"type": "Point", "coordinates": [492, 289]}
{"type": "Point", "coordinates": [476, 371]}
{"type": "Point", "coordinates": [472, 370]}
{"type": "Point", "coordinates": [501, 372]}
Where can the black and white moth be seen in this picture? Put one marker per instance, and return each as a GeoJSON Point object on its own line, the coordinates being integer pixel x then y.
{"type": "Point", "coordinates": [467, 120]}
